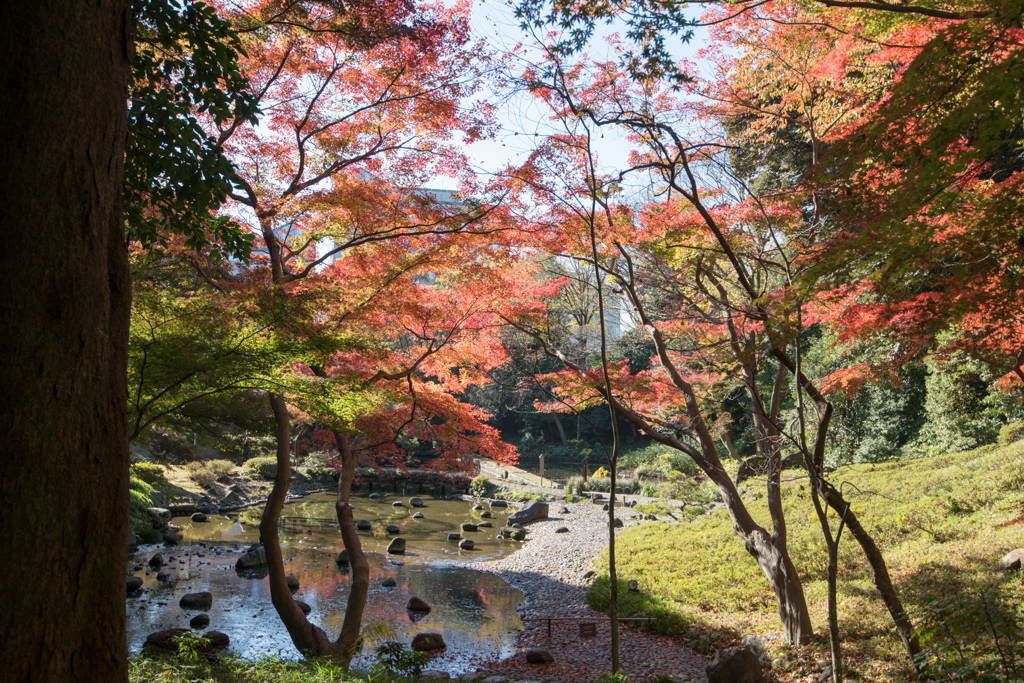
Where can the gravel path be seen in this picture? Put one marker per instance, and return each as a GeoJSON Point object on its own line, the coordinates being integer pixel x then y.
{"type": "Point", "coordinates": [549, 570]}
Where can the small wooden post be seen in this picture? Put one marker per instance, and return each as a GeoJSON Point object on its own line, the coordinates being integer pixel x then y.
{"type": "Point", "coordinates": [584, 470]}
{"type": "Point", "coordinates": [541, 470]}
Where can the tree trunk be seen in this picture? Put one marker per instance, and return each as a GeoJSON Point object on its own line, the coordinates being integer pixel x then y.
{"type": "Point", "coordinates": [561, 430]}
{"type": "Point", "coordinates": [64, 310]}
{"type": "Point", "coordinates": [308, 638]}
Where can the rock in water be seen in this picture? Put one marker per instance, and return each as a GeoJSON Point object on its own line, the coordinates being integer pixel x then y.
{"type": "Point", "coordinates": [478, 508]}
{"type": "Point", "coordinates": [424, 642]}
{"type": "Point", "coordinates": [418, 515]}
{"type": "Point", "coordinates": [391, 529]}
{"type": "Point", "coordinates": [398, 504]}
{"type": "Point", "coordinates": [134, 583]}
{"type": "Point", "coordinates": [374, 496]}
{"type": "Point", "coordinates": [363, 524]}
{"type": "Point", "coordinates": [255, 557]}
{"type": "Point", "coordinates": [499, 504]}
{"type": "Point", "coordinates": [389, 582]}
{"type": "Point", "coordinates": [198, 601]}
{"type": "Point", "coordinates": [416, 502]}
{"type": "Point", "coordinates": [465, 544]}
{"type": "Point", "coordinates": [200, 621]}
{"type": "Point", "coordinates": [397, 546]}
{"type": "Point", "coordinates": [198, 517]}
{"type": "Point", "coordinates": [293, 583]}
{"type": "Point", "coordinates": [538, 657]}
{"type": "Point", "coordinates": [513, 534]}
{"type": "Point", "coordinates": [734, 665]}
{"type": "Point", "coordinates": [530, 513]}
{"type": "Point", "coordinates": [306, 609]}
{"type": "Point", "coordinates": [485, 514]}
{"type": "Point", "coordinates": [484, 525]}
{"type": "Point", "coordinates": [342, 558]}
{"type": "Point", "coordinates": [417, 605]}
{"type": "Point", "coordinates": [466, 526]}
{"type": "Point", "coordinates": [454, 537]}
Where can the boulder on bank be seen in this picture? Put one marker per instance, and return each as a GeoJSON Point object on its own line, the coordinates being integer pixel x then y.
{"type": "Point", "coordinates": [417, 605]}
{"type": "Point", "coordinates": [198, 601]}
{"type": "Point", "coordinates": [424, 642]}
{"type": "Point", "coordinates": [513, 534]}
{"type": "Point", "coordinates": [182, 509]}
{"type": "Point", "coordinates": [1013, 560]}
{"type": "Point", "coordinates": [734, 665]}
{"type": "Point", "coordinates": [538, 657]}
{"type": "Point", "coordinates": [532, 512]}
{"type": "Point", "coordinates": [397, 546]}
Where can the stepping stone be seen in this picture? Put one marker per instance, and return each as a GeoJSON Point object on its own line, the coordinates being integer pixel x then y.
{"type": "Point", "coordinates": [363, 525]}
{"type": "Point", "coordinates": [465, 544]}
{"type": "Point", "coordinates": [416, 502]}
{"type": "Point", "coordinates": [418, 515]}
{"type": "Point", "coordinates": [424, 642]}
{"type": "Point", "coordinates": [342, 558]}
{"type": "Point", "coordinates": [397, 546]}
{"type": "Point", "coordinates": [499, 504]}
{"type": "Point", "coordinates": [398, 504]}
{"type": "Point", "coordinates": [198, 601]}
{"type": "Point", "coordinates": [293, 583]}
{"type": "Point", "coordinates": [374, 496]}
{"type": "Point", "coordinates": [484, 525]}
{"type": "Point", "coordinates": [134, 583]}
{"type": "Point", "coordinates": [485, 514]}
{"type": "Point", "coordinates": [306, 609]}
{"type": "Point", "coordinates": [454, 537]}
{"type": "Point", "coordinates": [417, 605]}
{"type": "Point", "coordinates": [200, 621]}
{"type": "Point", "coordinates": [156, 561]}
{"type": "Point", "coordinates": [466, 526]}
{"type": "Point", "coordinates": [478, 508]}
{"type": "Point", "coordinates": [198, 517]}
{"type": "Point", "coordinates": [391, 529]}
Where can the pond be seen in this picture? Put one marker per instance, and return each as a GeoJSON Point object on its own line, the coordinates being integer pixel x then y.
{"type": "Point", "coordinates": [475, 611]}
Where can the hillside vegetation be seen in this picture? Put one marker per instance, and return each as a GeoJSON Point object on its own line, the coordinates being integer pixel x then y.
{"type": "Point", "coordinates": [943, 524]}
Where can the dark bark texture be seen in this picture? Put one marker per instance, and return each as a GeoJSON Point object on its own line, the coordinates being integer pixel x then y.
{"type": "Point", "coordinates": [64, 307]}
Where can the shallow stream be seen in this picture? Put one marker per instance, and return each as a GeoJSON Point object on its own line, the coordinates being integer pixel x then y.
{"type": "Point", "coordinates": [474, 611]}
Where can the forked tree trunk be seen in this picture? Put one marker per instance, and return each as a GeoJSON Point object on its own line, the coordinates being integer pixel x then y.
{"type": "Point", "coordinates": [65, 301]}
{"type": "Point", "coordinates": [308, 638]}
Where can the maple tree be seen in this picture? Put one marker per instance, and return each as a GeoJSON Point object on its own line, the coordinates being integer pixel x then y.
{"type": "Point", "coordinates": [375, 297]}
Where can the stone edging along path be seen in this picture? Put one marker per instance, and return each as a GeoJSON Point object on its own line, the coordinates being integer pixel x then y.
{"type": "Point", "coordinates": [550, 569]}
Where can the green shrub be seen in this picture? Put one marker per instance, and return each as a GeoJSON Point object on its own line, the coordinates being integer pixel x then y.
{"type": "Point", "coordinates": [480, 486]}
{"type": "Point", "coordinates": [320, 464]}
{"type": "Point", "coordinates": [576, 486]}
{"type": "Point", "coordinates": [200, 473]}
{"type": "Point", "coordinates": [149, 472]}
{"type": "Point", "coordinates": [220, 467]}
{"type": "Point", "coordinates": [398, 659]}
{"type": "Point", "coordinates": [1010, 433]}
{"type": "Point", "coordinates": [264, 468]}
{"type": "Point", "coordinates": [140, 499]}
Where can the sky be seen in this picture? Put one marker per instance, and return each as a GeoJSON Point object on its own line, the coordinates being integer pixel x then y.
{"type": "Point", "coordinates": [521, 119]}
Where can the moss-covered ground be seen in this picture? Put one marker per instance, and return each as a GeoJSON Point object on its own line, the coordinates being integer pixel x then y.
{"type": "Point", "coordinates": [942, 523]}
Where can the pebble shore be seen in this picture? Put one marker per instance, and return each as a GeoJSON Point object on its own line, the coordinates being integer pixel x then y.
{"type": "Point", "coordinates": [550, 569]}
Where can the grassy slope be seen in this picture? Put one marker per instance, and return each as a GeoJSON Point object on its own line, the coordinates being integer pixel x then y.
{"type": "Point", "coordinates": [943, 524]}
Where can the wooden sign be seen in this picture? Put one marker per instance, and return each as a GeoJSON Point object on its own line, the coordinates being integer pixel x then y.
{"type": "Point", "coordinates": [588, 629]}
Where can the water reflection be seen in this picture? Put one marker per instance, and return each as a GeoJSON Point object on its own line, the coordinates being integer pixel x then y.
{"type": "Point", "coordinates": [474, 611]}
